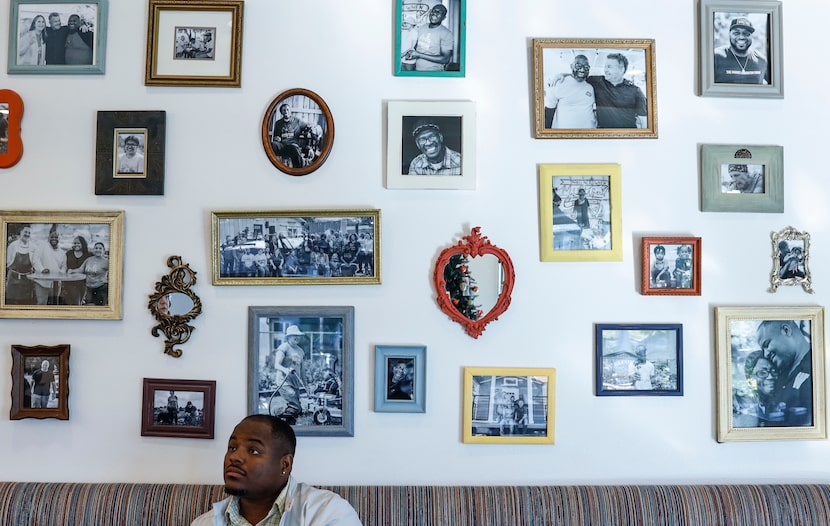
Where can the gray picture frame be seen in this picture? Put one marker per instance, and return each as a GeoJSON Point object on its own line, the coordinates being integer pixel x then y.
{"type": "Point", "coordinates": [327, 340]}
{"type": "Point", "coordinates": [18, 9]}
{"type": "Point", "coordinates": [713, 160]}
{"type": "Point", "coordinates": [773, 52]}
{"type": "Point", "coordinates": [413, 357]}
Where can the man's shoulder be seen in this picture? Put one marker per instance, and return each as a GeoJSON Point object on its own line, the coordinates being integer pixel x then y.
{"type": "Point", "coordinates": [720, 52]}
{"type": "Point", "coordinates": [322, 503]}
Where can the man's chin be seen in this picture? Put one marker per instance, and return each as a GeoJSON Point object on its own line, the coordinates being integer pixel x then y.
{"type": "Point", "coordinates": [236, 492]}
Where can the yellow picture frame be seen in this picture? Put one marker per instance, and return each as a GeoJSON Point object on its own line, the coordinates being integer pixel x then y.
{"type": "Point", "coordinates": [491, 398]}
{"type": "Point", "coordinates": [756, 401]}
{"type": "Point", "coordinates": [592, 235]}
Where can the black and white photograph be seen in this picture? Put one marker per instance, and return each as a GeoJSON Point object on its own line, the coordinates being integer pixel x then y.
{"type": "Point", "coordinates": [67, 268]}
{"type": "Point", "coordinates": [4, 128]}
{"type": "Point", "coordinates": [592, 91]}
{"type": "Point", "coordinates": [740, 48]}
{"type": "Point", "coordinates": [301, 367]}
{"type": "Point", "coordinates": [581, 212]}
{"type": "Point", "coordinates": [299, 247]}
{"type": "Point", "coordinates": [298, 132]}
{"type": "Point", "coordinates": [770, 373]}
{"type": "Point", "coordinates": [430, 39]}
{"type": "Point", "coordinates": [671, 266]}
{"type": "Point", "coordinates": [178, 408]}
{"type": "Point", "coordinates": [740, 178]}
{"type": "Point", "coordinates": [433, 145]}
{"type": "Point", "coordinates": [57, 37]}
{"type": "Point", "coordinates": [509, 405]}
{"type": "Point", "coordinates": [129, 152]}
{"type": "Point", "coordinates": [40, 381]}
{"type": "Point", "coordinates": [195, 43]}
{"type": "Point", "coordinates": [790, 260]}
{"type": "Point", "coordinates": [642, 359]}
{"type": "Point", "coordinates": [400, 375]}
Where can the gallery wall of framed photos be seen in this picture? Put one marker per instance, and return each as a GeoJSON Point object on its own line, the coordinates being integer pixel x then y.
{"type": "Point", "coordinates": [220, 134]}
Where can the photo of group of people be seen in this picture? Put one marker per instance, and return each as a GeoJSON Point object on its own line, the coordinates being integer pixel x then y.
{"type": "Point", "coordinates": [671, 266]}
{"type": "Point", "coordinates": [178, 408]}
{"type": "Point", "coordinates": [509, 405]}
{"type": "Point", "coordinates": [581, 212]}
{"type": "Point", "coordinates": [56, 34]}
{"type": "Point", "coordinates": [430, 36]}
{"type": "Point", "coordinates": [299, 369]}
{"type": "Point", "coordinates": [297, 247]}
{"type": "Point", "coordinates": [195, 43]}
{"type": "Point", "coordinates": [595, 88]}
{"type": "Point", "coordinates": [771, 373]}
{"type": "Point", "coordinates": [57, 264]}
{"type": "Point", "coordinates": [639, 359]}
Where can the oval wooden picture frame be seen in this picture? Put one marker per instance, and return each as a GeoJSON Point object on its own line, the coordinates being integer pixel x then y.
{"type": "Point", "coordinates": [311, 134]}
{"type": "Point", "coordinates": [13, 114]}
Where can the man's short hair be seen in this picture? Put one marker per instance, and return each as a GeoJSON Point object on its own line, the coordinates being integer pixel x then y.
{"type": "Point", "coordinates": [619, 57]}
{"type": "Point", "coordinates": [283, 105]}
{"type": "Point", "coordinates": [131, 138]}
{"type": "Point", "coordinates": [280, 430]}
{"type": "Point", "coordinates": [53, 15]}
{"type": "Point", "coordinates": [422, 125]}
{"type": "Point", "coordinates": [440, 6]}
{"type": "Point", "coordinates": [659, 248]}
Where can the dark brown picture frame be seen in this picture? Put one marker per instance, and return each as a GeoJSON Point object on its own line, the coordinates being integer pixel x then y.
{"type": "Point", "coordinates": [154, 423]}
{"type": "Point", "coordinates": [311, 152]}
{"type": "Point", "coordinates": [677, 280]}
{"type": "Point", "coordinates": [24, 359]}
{"type": "Point", "coordinates": [112, 124]}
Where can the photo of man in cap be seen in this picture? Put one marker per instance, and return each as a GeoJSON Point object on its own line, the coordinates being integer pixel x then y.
{"type": "Point", "coordinates": [744, 179]}
{"type": "Point", "coordinates": [435, 157]}
{"type": "Point", "coordinates": [739, 61]}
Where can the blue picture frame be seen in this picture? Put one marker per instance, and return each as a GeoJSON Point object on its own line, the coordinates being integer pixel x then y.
{"type": "Point", "coordinates": [413, 18]}
{"type": "Point", "coordinates": [625, 354]}
{"type": "Point", "coordinates": [406, 394]}
{"type": "Point", "coordinates": [93, 15]}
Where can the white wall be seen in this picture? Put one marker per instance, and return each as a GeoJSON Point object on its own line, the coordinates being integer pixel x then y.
{"type": "Point", "coordinates": [343, 51]}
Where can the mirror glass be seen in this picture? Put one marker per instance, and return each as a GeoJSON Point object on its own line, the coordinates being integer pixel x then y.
{"type": "Point", "coordinates": [474, 284]}
{"type": "Point", "coordinates": [175, 304]}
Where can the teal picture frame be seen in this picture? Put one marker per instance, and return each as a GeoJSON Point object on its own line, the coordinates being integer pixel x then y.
{"type": "Point", "coordinates": [93, 15]}
{"type": "Point", "coordinates": [412, 18]}
{"type": "Point", "coordinates": [411, 359]}
{"type": "Point", "coordinates": [764, 161]}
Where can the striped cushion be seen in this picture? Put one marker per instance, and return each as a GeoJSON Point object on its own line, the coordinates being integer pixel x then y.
{"type": "Point", "coordinates": [128, 504]}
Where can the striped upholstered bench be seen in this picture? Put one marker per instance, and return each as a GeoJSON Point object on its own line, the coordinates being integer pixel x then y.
{"type": "Point", "coordinates": [128, 504]}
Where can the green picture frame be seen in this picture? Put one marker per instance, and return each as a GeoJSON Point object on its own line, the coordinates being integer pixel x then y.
{"type": "Point", "coordinates": [757, 186]}
{"type": "Point", "coordinates": [412, 19]}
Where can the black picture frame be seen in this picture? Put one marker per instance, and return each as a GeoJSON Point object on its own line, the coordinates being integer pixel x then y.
{"type": "Point", "coordinates": [114, 127]}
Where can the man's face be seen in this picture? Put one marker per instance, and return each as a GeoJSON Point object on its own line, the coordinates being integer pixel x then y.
{"type": "Point", "coordinates": [740, 39]}
{"type": "Point", "coordinates": [44, 366]}
{"type": "Point", "coordinates": [286, 112]}
{"type": "Point", "coordinates": [398, 372]}
{"type": "Point", "coordinates": [779, 343]}
{"type": "Point", "coordinates": [130, 148]}
{"type": "Point", "coordinates": [294, 340]}
{"type": "Point", "coordinates": [26, 233]}
{"type": "Point", "coordinates": [431, 143]}
{"type": "Point", "coordinates": [581, 194]}
{"type": "Point", "coordinates": [614, 71]}
{"type": "Point", "coordinates": [437, 14]}
{"type": "Point", "coordinates": [55, 22]}
{"type": "Point", "coordinates": [53, 239]}
{"type": "Point", "coordinates": [255, 461]}
{"type": "Point", "coordinates": [580, 68]}
{"type": "Point", "coordinates": [740, 180]}
{"type": "Point", "coordinates": [74, 23]}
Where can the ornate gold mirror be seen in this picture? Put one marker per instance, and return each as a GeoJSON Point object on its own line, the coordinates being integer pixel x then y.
{"type": "Point", "coordinates": [174, 304]}
{"type": "Point", "coordinates": [473, 282]}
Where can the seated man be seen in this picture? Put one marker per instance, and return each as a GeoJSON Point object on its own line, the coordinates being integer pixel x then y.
{"type": "Point", "coordinates": [285, 140]}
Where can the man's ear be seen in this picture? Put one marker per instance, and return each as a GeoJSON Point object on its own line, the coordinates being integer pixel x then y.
{"type": "Point", "coordinates": [786, 330]}
{"type": "Point", "coordinates": [287, 462]}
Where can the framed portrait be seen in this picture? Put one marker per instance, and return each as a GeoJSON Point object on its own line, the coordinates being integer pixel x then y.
{"type": "Point", "coordinates": [62, 264]}
{"type": "Point", "coordinates": [740, 49]}
{"type": "Point", "coordinates": [770, 373]}
{"type": "Point", "coordinates": [178, 408]}
{"type": "Point", "coordinates": [594, 88]}
{"type": "Point", "coordinates": [58, 37]}
{"type": "Point", "coordinates": [400, 378]}
{"type": "Point", "coordinates": [296, 247]}
{"type": "Point", "coordinates": [301, 367]}
{"type": "Point", "coordinates": [643, 359]}
{"type": "Point", "coordinates": [40, 382]}
{"type": "Point", "coordinates": [790, 260]}
{"type": "Point", "coordinates": [580, 212]}
{"type": "Point", "coordinates": [671, 266]}
{"type": "Point", "coordinates": [194, 43]}
{"type": "Point", "coordinates": [431, 145]}
{"type": "Point", "coordinates": [11, 113]}
{"type": "Point", "coordinates": [742, 178]}
{"type": "Point", "coordinates": [509, 405]}
{"type": "Point", "coordinates": [297, 131]}
{"type": "Point", "coordinates": [430, 38]}
{"type": "Point", "coordinates": [129, 156]}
